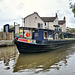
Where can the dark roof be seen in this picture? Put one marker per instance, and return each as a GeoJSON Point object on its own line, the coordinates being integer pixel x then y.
{"type": "Point", "coordinates": [27, 28]}
{"type": "Point", "coordinates": [48, 19]}
{"type": "Point", "coordinates": [61, 22]}
{"type": "Point", "coordinates": [56, 25]}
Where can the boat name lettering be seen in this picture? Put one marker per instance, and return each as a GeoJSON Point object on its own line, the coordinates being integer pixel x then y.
{"type": "Point", "coordinates": [36, 34]}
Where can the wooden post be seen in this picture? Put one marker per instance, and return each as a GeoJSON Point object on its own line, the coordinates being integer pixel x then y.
{"type": "Point", "coordinates": [23, 32]}
{"type": "Point", "coordinates": [14, 29]}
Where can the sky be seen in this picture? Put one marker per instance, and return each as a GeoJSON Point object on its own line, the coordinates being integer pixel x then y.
{"type": "Point", "coordinates": [15, 10]}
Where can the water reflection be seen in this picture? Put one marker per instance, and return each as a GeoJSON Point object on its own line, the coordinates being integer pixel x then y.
{"type": "Point", "coordinates": [11, 62]}
{"type": "Point", "coordinates": [7, 55]}
{"type": "Point", "coordinates": [43, 61]}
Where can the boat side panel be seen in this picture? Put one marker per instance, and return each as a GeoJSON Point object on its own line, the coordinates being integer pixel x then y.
{"type": "Point", "coordinates": [47, 46]}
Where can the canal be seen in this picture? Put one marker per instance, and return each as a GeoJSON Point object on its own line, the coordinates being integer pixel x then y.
{"type": "Point", "coordinates": [57, 62]}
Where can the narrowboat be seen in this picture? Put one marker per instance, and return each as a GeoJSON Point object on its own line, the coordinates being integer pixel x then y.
{"type": "Point", "coordinates": [44, 40]}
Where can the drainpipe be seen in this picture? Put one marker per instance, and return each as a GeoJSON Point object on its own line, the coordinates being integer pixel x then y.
{"type": "Point", "coordinates": [48, 25]}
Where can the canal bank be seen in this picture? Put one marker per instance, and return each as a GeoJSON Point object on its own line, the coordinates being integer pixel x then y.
{"type": "Point", "coordinates": [4, 43]}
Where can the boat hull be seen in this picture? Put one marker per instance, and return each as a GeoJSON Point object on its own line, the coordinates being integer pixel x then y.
{"type": "Point", "coordinates": [24, 47]}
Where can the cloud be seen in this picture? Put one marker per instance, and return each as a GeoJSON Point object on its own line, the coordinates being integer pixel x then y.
{"type": "Point", "coordinates": [0, 10]}
{"type": "Point", "coordinates": [13, 9]}
{"type": "Point", "coordinates": [1, 0]}
{"type": "Point", "coordinates": [60, 1]}
{"type": "Point", "coordinates": [20, 6]}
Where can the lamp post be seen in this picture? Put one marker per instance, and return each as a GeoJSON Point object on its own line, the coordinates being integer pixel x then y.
{"type": "Point", "coordinates": [23, 26]}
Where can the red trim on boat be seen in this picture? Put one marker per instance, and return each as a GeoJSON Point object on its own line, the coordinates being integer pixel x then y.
{"type": "Point", "coordinates": [23, 40]}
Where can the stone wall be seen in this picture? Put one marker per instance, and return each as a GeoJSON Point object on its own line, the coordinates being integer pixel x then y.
{"type": "Point", "coordinates": [6, 36]}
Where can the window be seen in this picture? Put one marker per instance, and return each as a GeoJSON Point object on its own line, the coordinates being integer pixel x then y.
{"type": "Point", "coordinates": [56, 28]}
{"type": "Point", "coordinates": [45, 34]}
{"type": "Point", "coordinates": [60, 28]}
{"type": "Point", "coordinates": [45, 23]}
{"type": "Point", "coordinates": [40, 25]}
{"type": "Point", "coordinates": [35, 17]}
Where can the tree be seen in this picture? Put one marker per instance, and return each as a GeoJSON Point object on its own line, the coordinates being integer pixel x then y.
{"type": "Point", "coordinates": [73, 30]}
{"type": "Point", "coordinates": [11, 26]}
{"type": "Point", "coordinates": [72, 6]}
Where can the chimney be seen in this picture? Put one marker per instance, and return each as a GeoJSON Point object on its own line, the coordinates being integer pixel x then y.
{"type": "Point", "coordinates": [35, 13]}
{"type": "Point", "coordinates": [56, 15]}
{"type": "Point", "coordinates": [64, 19]}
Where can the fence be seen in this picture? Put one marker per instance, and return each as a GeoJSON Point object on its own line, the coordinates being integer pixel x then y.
{"type": "Point", "coordinates": [6, 36]}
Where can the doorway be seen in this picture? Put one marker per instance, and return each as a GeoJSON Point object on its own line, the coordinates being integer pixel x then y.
{"type": "Point", "coordinates": [45, 34]}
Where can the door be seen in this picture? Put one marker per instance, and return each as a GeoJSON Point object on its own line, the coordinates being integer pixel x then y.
{"type": "Point", "coordinates": [45, 34]}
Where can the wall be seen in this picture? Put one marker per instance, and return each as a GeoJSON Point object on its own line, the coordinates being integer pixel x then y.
{"type": "Point", "coordinates": [50, 25]}
{"type": "Point", "coordinates": [33, 20]}
{"type": "Point", "coordinates": [6, 36]}
{"type": "Point", "coordinates": [63, 27]}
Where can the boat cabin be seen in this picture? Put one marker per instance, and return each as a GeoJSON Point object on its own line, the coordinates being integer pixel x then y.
{"type": "Point", "coordinates": [42, 34]}
{"type": "Point", "coordinates": [46, 34]}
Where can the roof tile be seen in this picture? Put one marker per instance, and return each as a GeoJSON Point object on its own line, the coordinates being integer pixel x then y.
{"type": "Point", "coordinates": [48, 19]}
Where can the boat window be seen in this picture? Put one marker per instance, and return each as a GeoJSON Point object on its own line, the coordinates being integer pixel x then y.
{"type": "Point", "coordinates": [45, 34]}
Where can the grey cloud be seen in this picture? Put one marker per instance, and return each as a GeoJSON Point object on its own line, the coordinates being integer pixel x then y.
{"type": "Point", "coordinates": [1, 0]}
{"type": "Point", "coordinates": [0, 10]}
{"type": "Point", "coordinates": [60, 14]}
{"type": "Point", "coordinates": [72, 19]}
{"type": "Point", "coordinates": [20, 6]}
{"type": "Point", "coordinates": [67, 12]}
{"type": "Point", "coordinates": [59, 0]}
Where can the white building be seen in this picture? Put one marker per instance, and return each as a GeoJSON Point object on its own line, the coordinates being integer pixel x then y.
{"type": "Point", "coordinates": [35, 21]}
{"type": "Point", "coordinates": [62, 24]}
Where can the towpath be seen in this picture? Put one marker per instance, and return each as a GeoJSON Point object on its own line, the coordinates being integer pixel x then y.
{"type": "Point", "coordinates": [4, 43]}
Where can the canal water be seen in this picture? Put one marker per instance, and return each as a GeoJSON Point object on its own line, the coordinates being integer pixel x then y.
{"type": "Point", "coordinates": [57, 62]}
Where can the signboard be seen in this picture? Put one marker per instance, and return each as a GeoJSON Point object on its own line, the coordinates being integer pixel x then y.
{"type": "Point", "coordinates": [16, 29]}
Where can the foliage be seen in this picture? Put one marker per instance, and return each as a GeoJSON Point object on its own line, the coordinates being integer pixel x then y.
{"type": "Point", "coordinates": [1, 29]}
{"type": "Point", "coordinates": [72, 6]}
{"type": "Point", "coordinates": [11, 26]}
{"type": "Point", "coordinates": [72, 29]}
{"type": "Point", "coordinates": [20, 32]}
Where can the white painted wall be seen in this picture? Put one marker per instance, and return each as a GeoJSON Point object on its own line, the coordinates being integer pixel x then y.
{"type": "Point", "coordinates": [56, 21]}
{"type": "Point", "coordinates": [63, 27]}
{"type": "Point", "coordinates": [33, 20]}
{"type": "Point", "coordinates": [50, 25]}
